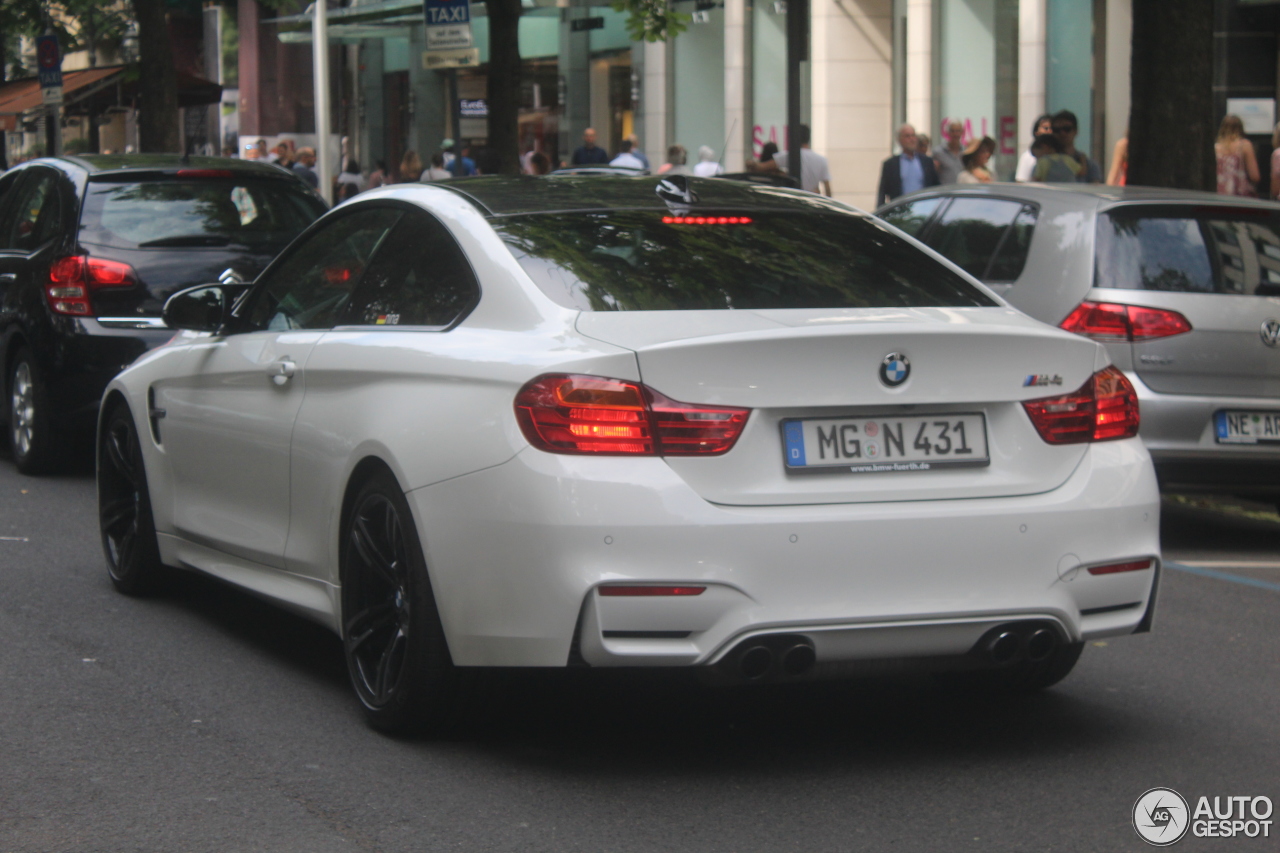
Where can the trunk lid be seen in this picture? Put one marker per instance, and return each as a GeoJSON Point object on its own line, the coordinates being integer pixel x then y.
{"type": "Point", "coordinates": [796, 364]}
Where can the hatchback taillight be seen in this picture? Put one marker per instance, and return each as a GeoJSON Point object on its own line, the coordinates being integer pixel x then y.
{"type": "Point", "coordinates": [1105, 407]}
{"type": "Point", "coordinates": [73, 278]}
{"type": "Point", "coordinates": [566, 413]}
{"type": "Point", "coordinates": [1109, 321]}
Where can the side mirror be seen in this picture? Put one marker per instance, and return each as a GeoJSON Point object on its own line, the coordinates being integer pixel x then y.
{"type": "Point", "coordinates": [202, 308]}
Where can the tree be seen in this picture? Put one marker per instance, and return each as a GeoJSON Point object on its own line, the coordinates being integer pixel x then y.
{"type": "Point", "coordinates": [650, 20]}
{"type": "Point", "coordinates": [1171, 127]}
{"type": "Point", "coordinates": [158, 129]}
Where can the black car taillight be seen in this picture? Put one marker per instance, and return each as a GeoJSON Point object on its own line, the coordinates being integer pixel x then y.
{"type": "Point", "coordinates": [72, 279]}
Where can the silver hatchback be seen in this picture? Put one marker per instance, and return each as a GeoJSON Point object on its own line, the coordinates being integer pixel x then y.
{"type": "Point", "coordinates": [1182, 287]}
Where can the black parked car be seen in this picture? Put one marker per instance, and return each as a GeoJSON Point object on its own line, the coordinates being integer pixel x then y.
{"type": "Point", "coordinates": [90, 249]}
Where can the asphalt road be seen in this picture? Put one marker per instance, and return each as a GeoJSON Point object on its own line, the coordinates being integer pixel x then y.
{"type": "Point", "coordinates": [204, 720]}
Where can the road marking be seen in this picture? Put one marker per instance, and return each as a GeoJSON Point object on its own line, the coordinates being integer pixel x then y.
{"type": "Point", "coordinates": [1225, 576]}
{"type": "Point", "coordinates": [14, 539]}
{"type": "Point", "coordinates": [1232, 564]}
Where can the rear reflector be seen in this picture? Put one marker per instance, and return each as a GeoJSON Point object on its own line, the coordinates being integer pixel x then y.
{"type": "Point", "coordinates": [1104, 408]}
{"type": "Point", "coordinates": [576, 414]}
{"type": "Point", "coordinates": [1116, 568]}
{"type": "Point", "coordinates": [1108, 321]}
{"type": "Point", "coordinates": [651, 590]}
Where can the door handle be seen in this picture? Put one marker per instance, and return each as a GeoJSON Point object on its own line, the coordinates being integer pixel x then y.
{"type": "Point", "coordinates": [282, 370]}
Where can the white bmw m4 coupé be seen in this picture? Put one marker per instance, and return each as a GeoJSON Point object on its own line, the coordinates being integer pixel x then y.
{"type": "Point", "coordinates": [618, 422]}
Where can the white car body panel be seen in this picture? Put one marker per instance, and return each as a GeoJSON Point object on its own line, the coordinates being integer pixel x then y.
{"type": "Point", "coordinates": [517, 540]}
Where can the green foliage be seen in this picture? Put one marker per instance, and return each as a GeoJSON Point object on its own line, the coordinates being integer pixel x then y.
{"type": "Point", "coordinates": [652, 20]}
{"type": "Point", "coordinates": [75, 22]}
{"type": "Point", "coordinates": [79, 145]}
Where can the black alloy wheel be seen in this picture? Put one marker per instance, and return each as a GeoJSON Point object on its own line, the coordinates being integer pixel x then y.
{"type": "Point", "coordinates": [31, 437]}
{"type": "Point", "coordinates": [124, 506]}
{"type": "Point", "coordinates": [395, 647]}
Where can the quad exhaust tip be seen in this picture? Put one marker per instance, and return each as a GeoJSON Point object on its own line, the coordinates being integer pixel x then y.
{"type": "Point", "coordinates": [1007, 644]}
{"type": "Point", "coordinates": [788, 656]}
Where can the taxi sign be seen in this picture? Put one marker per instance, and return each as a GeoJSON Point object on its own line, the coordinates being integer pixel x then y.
{"type": "Point", "coordinates": [448, 24]}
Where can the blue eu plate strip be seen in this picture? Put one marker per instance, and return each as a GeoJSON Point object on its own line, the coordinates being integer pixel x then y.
{"type": "Point", "coordinates": [794, 432]}
{"type": "Point", "coordinates": [1221, 419]}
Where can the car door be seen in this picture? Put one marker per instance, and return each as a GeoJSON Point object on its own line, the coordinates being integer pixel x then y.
{"type": "Point", "coordinates": [31, 220]}
{"type": "Point", "coordinates": [395, 364]}
{"type": "Point", "coordinates": [11, 262]}
{"type": "Point", "coordinates": [229, 419]}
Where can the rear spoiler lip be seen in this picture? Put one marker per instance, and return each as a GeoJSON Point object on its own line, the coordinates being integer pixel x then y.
{"type": "Point", "coordinates": [119, 175]}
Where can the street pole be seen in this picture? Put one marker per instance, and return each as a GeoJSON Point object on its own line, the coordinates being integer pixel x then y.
{"type": "Point", "coordinates": [455, 110]}
{"type": "Point", "coordinates": [320, 67]}
{"type": "Point", "coordinates": [797, 52]}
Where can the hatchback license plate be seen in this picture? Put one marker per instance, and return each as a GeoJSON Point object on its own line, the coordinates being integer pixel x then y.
{"type": "Point", "coordinates": [1247, 427]}
{"type": "Point", "coordinates": [886, 444]}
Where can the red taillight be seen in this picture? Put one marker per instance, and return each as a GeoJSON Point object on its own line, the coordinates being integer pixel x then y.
{"type": "Point", "coordinates": [706, 220]}
{"type": "Point", "coordinates": [651, 590]}
{"type": "Point", "coordinates": [563, 413]}
{"type": "Point", "coordinates": [204, 173]}
{"type": "Point", "coordinates": [1108, 321]}
{"type": "Point", "coordinates": [71, 280]}
{"type": "Point", "coordinates": [1105, 408]}
{"type": "Point", "coordinates": [1116, 568]}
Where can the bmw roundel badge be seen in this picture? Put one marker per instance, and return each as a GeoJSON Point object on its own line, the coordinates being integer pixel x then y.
{"type": "Point", "coordinates": [894, 369]}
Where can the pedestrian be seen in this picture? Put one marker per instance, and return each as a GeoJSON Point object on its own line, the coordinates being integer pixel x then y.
{"type": "Point", "coordinates": [539, 164]}
{"type": "Point", "coordinates": [975, 157]}
{"type": "Point", "coordinates": [923, 144]}
{"type": "Point", "coordinates": [488, 162]}
{"type": "Point", "coordinates": [1275, 162]}
{"type": "Point", "coordinates": [281, 156]}
{"type": "Point", "coordinates": [306, 166]}
{"type": "Point", "coordinates": [815, 174]}
{"type": "Point", "coordinates": [906, 172]}
{"type": "Point", "coordinates": [410, 168]}
{"type": "Point", "coordinates": [378, 177]}
{"type": "Point", "coordinates": [1119, 174]}
{"type": "Point", "coordinates": [349, 182]}
{"type": "Point", "coordinates": [1237, 164]}
{"type": "Point", "coordinates": [1052, 164]}
{"type": "Point", "coordinates": [766, 164]}
{"type": "Point", "coordinates": [947, 157]}
{"type": "Point", "coordinates": [637, 152]}
{"type": "Point", "coordinates": [1065, 128]}
{"type": "Point", "coordinates": [1027, 162]}
{"type": "Point", "coordinates": [707, 165]}
{"type": "Point", "coordinates": [589, 154]}
{"type": "Point", "coordinates": [626, 159]}
{"type": "Point", "coordinates": [468, 165]}
{"type": "Point", "coordinates": [436, 171]}
{"type": "Point", "coordinates": [677, 159]}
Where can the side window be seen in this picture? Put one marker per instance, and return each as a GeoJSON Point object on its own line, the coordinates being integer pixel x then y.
{"type": "Point", "coordinates": [970, 231]}
{"type": "Point", "coordinates": [1248, 253]}
{"type": "Point", "coordinates": [8, 200]}
{"type": "Point", "coordinates": [38, 214]}
{"type": "Point", "coordinates": [1011, 257]}
{"type": "Point", "coordinates": [420, 277]}
{"type": "Point", "coordinates": [912, 217]}
{"type": "Point", "coordinates": [1154, 252]}
{"type": "Point", "coordinates": [312, 286]}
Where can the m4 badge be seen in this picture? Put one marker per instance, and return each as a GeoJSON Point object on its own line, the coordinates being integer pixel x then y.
{"type": "Point", "coordinates": [1037, 380]}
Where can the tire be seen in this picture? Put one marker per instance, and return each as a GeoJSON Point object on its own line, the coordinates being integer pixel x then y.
{"type": "Point", "coordinates": [124, 507]}
{"type": "Point", "coordinates": [32, 440]}
{"type": "Point", "coordinates": [395, 648]}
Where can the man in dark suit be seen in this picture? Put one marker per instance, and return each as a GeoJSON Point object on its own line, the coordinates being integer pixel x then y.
{"type": "Point", "coordinates": [906, 172]}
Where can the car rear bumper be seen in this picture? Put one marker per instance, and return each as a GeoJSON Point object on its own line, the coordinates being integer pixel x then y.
{"type": "Point", "coordinates": [1179, 431]}
{"type": "Point", "coordinates": [86, 361]}
{"type": "Point", "coordinates": [518, 552]}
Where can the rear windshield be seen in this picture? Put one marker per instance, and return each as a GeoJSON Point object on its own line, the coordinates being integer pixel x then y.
{"type": "Point", "coordinates": [1233, 251]}
{"type": "Point", "coordinates": [651, 261]}
{"type": "Point", "coordinates": [254, 214]}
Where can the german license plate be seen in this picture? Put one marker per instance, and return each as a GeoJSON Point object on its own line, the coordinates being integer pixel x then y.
{"type": "Point", "coordinates": [886, 444]}
{"type": "Point", "coordinates": [1247, 427]}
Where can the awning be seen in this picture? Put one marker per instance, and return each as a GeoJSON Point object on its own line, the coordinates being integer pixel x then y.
{"type": "Point", "coordinates": [20, 96]}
